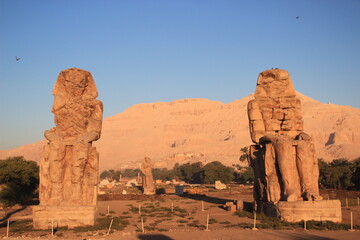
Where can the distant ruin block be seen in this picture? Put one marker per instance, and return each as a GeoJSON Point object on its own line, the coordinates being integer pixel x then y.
{"type": "Point", "coordinates": [69, 165]}
{"type": "Point", "coordinates": [147, 178]}
{"type": "Point", "coordinates": [219, 185]}
{"type": "Point", "coordinates": [230, 206]}
{"type": "Point", "coordinates": [239, 205]}
{"type": "Point", "coordinates": [283, 156]}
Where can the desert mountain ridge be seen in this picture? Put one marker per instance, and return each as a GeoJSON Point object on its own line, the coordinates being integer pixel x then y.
{"type": "Point", "coordinates": [189, 130]}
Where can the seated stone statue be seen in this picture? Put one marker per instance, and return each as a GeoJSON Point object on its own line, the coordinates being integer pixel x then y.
{"type": "Point", "coordinates": [283, 159]}
{"type": "Point", "coordinates": [69, 167]}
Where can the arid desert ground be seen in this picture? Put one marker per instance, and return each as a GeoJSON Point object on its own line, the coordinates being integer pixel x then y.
{"type": "Point", "coordinates": [170, 216]}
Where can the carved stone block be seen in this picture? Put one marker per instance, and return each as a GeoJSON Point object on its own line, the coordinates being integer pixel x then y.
{"type": "Point", "coordinates": [47, 216]}
{"type": "Point", "coordinates": [325, 210]}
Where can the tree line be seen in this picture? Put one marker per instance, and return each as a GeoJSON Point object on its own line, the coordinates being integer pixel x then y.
{"type": "Point", "coordinates": [339, 174]}
{"type": "Point", "coordinates": [191, 173]}
{"type": "Point", "coordinates": [19, 178]}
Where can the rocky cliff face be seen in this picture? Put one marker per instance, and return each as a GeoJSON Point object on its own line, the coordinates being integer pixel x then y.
{"type": "Point", "coordinates": [203, 130]}
{"type": "Point", "coordinates": [334, 128]}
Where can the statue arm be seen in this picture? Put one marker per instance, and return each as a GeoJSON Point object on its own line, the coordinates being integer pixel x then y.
{"type": "Point", "coordinates": [267, 138]}
{"type": "Point", "coordinates": [51, 134]}
{"type": "Point", "coordinates": [95, 123]}
{"type": "Point", "coordinates": [256, 122]}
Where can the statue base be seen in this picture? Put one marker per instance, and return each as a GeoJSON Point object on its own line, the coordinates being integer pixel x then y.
{"type": "Point", "coordinates": [324, 210]}
{"type": "Point", "coordinates": [149, 192]}
{"type": "Point", "coordinates": [46, 217]}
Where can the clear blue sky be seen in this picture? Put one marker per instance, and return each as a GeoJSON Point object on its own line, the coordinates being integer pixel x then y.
{"type": "Point", "coordinates": [149, 51]}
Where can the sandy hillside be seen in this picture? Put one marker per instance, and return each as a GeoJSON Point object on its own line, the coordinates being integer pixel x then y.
{"type": "Point", "coordinates": [200, 129]}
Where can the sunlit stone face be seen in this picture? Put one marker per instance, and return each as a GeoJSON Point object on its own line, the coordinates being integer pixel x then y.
{"type": "Point", "coordinates": [271, 84]}
{"type": "Point", "coordinates": [75, 83]}
{"type": "Point", "coordinates": [274, 84]}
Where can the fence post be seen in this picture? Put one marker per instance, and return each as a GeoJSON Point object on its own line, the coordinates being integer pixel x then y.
{"type": "Point", "coordinates": [351, 222]}
{"type": "Point", "coordinates": [254, 228]}
{"type": "Point", "coordinates": [52, 227]}
{"type": "Point", "coordinates": [207, 223]}
{"type": "Point", "coordinates": [7, 228]}
{"type": "Point", "coordinates": [110, 227]}
{"type": "Point", "coordinates": [142, 225]}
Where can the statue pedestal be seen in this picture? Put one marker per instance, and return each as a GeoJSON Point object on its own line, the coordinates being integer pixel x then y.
{"type": "Point", "coordinates": [149, 191]}
{"type": "Point", "coordinates": [324, 210]}
{"type": "Point", "coordinates": [63, 216]}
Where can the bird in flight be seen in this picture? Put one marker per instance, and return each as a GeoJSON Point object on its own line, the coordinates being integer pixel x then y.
{"type": "Point", "coordinates": [17, 59]}
{"type": "Point", "coordinates": [297, 17]}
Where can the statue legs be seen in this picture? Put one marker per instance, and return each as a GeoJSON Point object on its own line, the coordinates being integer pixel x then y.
{"type": "Point", "coordinates": [291, 168]}
{"type": "Point", "coordinates": [286, 159]}
{"type": "Point", "coordinates": [273, 189]}
{"type": "Point", "coordinates": [90, 179]}
{"type": "Point", "coordinates": [308, 170]}
{"type": "Point", "coordinates": [79, 160]}
{"type": "Point", "coordinates": [56, 171]}
{"type": "Point", "coordinates": [257, 164]}
{"type": "Point", "coordinates": [58, 157]}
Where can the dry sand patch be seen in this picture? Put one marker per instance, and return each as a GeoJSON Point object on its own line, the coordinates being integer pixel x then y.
{"type": "Point", "coordinates": [186, 221]}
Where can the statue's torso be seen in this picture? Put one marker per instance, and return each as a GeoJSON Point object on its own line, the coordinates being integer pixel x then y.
{"type": "Point", "coordinates": [72, 119]}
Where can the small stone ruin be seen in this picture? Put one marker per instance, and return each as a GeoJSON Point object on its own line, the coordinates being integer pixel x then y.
{"type": "Point", "coordinates": [147, 178]}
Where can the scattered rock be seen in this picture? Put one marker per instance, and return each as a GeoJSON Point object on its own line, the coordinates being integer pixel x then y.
{"type": "Point", "coordinates": [132, 183]}
{"type": "Point", "coordinates": [219, 185]}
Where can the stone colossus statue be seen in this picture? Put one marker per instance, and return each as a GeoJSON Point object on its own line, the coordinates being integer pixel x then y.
{"type": "Point", "coordinates": [283, 157]}
{"type": "Point", "coordinates": [69, 167]}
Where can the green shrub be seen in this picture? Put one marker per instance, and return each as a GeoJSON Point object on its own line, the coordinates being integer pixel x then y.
{"type": "Point", "coordinates": [19, 179]}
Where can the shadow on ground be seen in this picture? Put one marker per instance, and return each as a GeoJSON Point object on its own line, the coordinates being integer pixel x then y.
{"type": "Point", "coordinates": [297, 236]}
{"type": "Point", "coordinates": [3, 220]}
{"type": "Point", "coordinates": [154, 237]}
{"type": "Point", "coordinates": [247, 206]}
{"type": "Point", "coordinates": [205, 198]}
